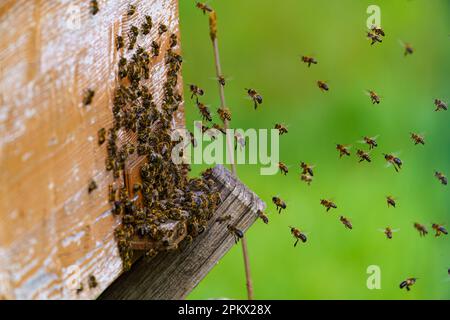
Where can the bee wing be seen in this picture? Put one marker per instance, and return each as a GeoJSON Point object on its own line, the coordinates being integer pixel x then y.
{"type": "Point", "coordinates": [403, 44]}
{"type": "Point", "coordinates": [395, 230]}
{"type": "Point", "coordinates": [361, 141]}
{"type": "Point", "coordinates": [375, 137]}
{"type": "Point", "coordinates": [381, 230]}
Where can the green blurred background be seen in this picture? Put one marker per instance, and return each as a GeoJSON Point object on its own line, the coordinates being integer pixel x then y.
{"type": "Point", "coordinates": [260, 45]}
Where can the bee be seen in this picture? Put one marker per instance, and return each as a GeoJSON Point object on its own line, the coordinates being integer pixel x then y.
{"type": "Point", "coordinates": [421, 228]}
{"type": "Point", "coordinates": [204, 111]}
{"type": "Point", "coordinates": [119, 42]}
{"type": "Point", "coordinates": [131, 10]}
{"type": "Point", "coordinates": [196, 91]}
{"type": "Point", "coordinates": [388, 231]}
{"type": "Point", "coordinates": [112, 193]}
{"type": "Point", "coordinates": [220, 128]}
{"type": "Point", "coordinates": [162, 28]}
{"type": "Point", "coordinates": [263, 216]}
{"type": "Point", "coordinates": [307, 178]}
{"type": "Point", "coordinates": [283, 168]}
{"type": "Point", "coordinates": [238, 234]}
{"type": "Point", "coordinates": [147, 25]}
{"type": "Point", "coordinates": [309, 60]}
{"type": "Point", "coordinates": [408, 283]}
{"type": "Point", "coordinates": [255, 96]}
{"type": "Point", "coordinates": [239, 140]}
{"type": "Point", "coordinates": [439, 229]}
{"type": "Point", "coordinates": [173, 40]}
{"type": "Point", "coordinates": [323, 86]}
{"type": "Point", "coordinates": [395, 161]}
{"type": "Point", "coordinates": [101, 136]}
{"type": "Point", "coordinates": [390, 201]}
{"type": "Point", "coordinates": [92, 281]}
{"type": "Point", "coordinates": [204, 7]}
{"type": "Point", "coordinates": [279, 203]}
{"type": "Point", "coordinates": [346, 222]}
{"type": "Point", "coordinates": [372, 142]}
{"type": "Point", "coordinates": [222, 81]}
{"type": "Point", "coordinates": [94, 7]}
{"type": "Point", "coordinates": [224, 218]}
{"type": "Point", "coordinates": [374, 37]}
{"type": "Point", "coordinates": [441, 177]}
{"type": "Point", "coordinates": [343, 150]}
{"type": "Point", "coordinates": [282, 129]}
{"type": "Point", "coordinates": [298, 235]}
{"type": "Point", "coordinates": [417, 138]}
{"type": "Point", "coordinates": [363, 156]}
{"type": "Point", "coordinates": [88, 96]}
{"type": "Point", "coordinates": [374, 97]}
{"type": "Point", "coordinates": [408, 48]}
{"type": "Point", "coordinates": [92, 186]}
{"type": "Point", "coordinates": [307, 168]}
{"type": "Point", "coordinates": [377, 30]}
{"type": "Point", "coordinates": [328, 204]}
{"type": "Point", "coordinates": [440, 105]}
{"type": "Point", "coordinates": [224, 114]}
{"type": "Point", "coordinates": [155, 48]}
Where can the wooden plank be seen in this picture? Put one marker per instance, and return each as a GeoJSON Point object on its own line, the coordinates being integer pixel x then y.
{"type": "Point", "coordinates": [49, 224]}
{"type": "Point", "coordinates": [173, 274]}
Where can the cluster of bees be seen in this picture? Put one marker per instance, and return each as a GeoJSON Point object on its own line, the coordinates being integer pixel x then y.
{"type": "Point", "coordinates": [163, 191]}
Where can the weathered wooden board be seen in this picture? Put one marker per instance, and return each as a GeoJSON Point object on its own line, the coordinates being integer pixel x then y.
{"type": "Point", "coordinates": [173, 274]}
{"type": "Point", "coordinates": [50, 53]}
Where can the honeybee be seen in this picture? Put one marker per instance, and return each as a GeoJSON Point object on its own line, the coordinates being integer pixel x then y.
{"type": "Point", "coordinates": [204, 7]}
{"type": "Point", "coordinates": [388, 231]}
{"type": "Point", "coordinates": [283, 168]}
{"type": "Point", "coordinates": [307, 178]}
{"type": "Point", "coordinates": [282, 129]}
{"type": "Point", "coordinates": [298, 235]}
{"type": "Point", "coordinates": [196, 91]}
{"type": "Point", "coordinates": [94, 7]}
{"type": "Point", "coordinates": [374, 37]}
{"type": "Point", "coordinates": [92, 186]}
{"type": "Point", "coordinates": [131, 10]}
{"type": "Point", "coordinates": [441, 177]}
{"type": "Point", "coordinates": [390, 201]}
{"type": "Point", "coordinates": [439, 229]}
{"type": "Point", "coordinates": [119, 42]}
{"type": "Point", "coordinates": [307, 168]}
{"type": "Point", "coordinates": [395, 161]}
{"type": "Point", "coordinates": [92, 281]}
{"type": "Point", "coordinates": [279, 203]}
{"type": "Point", "coordinates": [417, 138]}
{"type": "Point", "coordinates": [221, 79]}
{"type": "Point", "coordinates": [323, 86]}
{"type": "Point", "coordinates": [224, 114]}
{"type": "Point", "coordinates": [255, 96]}
{"type": "Point", "coordinates": [343, 150]}
{"type": "Point", "coordinates": [309, 60]}
{"type": "Point", "coordinates": [238, 234]}
{"type": "Point", "coordinates": [224, 218]}
{"type": "Point", "coordinates": [440, 105]}
{"type": "Point", "coordinates": [162, 28]}
{"type": "Point", "coordinates": [112, 193]}
{"type": "Point", "coordinates": [408, 283]}
{"type": "Point", "coordinates": [328, 204]}
{"type": "Point", "coordinates": [374, 97]}
{"type": "Point", "coordinates": [377, 30]}
{"type": "Point", "coordinates": [204, 111]}
{"type": "Point", "coordinates": [372, 142]}
{"type": "Point", "coordinates": [155, 48]}
{"type": "Point", "coordinates": [88, 96]}
{"type": "Point", "coordinates": [363, 156]}
{"type": "Point", "coordinates": [346, 222]}
{"type": "Point", "coordinates": [263, 216]}
{"type": "Point", "coordinates": [101, 136]}
{"type": "Point", "coordinates": [219, 127]}
{"type": "Point", "coordinates": [407, 47]}
{"type": "Point", "coordinates": [421, 228]}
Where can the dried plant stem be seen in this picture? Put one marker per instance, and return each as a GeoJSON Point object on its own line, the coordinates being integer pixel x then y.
{"type": "Point", "coordinates": [213, 35]}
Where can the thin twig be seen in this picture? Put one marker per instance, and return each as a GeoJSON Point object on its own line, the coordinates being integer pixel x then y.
{"type": "Point", "coordinates": [213, 35]}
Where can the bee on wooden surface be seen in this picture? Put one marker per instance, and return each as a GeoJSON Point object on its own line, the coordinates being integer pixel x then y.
{"type": "Point", "coordinates": [131, 10]}
{"type": "Point", "coordinates": [94, 7]}
{"type": "Point", "coordinates": [370, 141]}
{"type": "Point", "coordinates": [323, 86]}
{"type": "Point", "coordinates": [283, 168]}
{"type": "Point", "coordinates": [204, 7]}
{"type": "Point", "coordinates": [374, 37]}
{"type": "Point", "coordinates": [224, 114]}
{"type": "Point", "coordinates": [407, 47]}
{"type": "Point", "coordinates": [441, 177]}
{"type": "Point", "coordinates": [92, 186]}
{"type": "Point", "coordinates": [417, 138]}
{"type": "Point", "coordinates": [421, 228]}
{"type": "Point", "coordinates": [363, 156]}
{"type": "Point", "coordinates": [132, 37]}
{"type": "Point", "coordinates": [147, 25]}
{"type": "Point", "coordinates": [255, 96]}
{"type": "Point", "coordinates": [388, 231]}
{"type": "Point", "coordinates": [377, 30]}
{"type": "Point", "coordinates": [120, 43]}
{"type": "Point", "coordinates": [309, 60]}
{"type": "Point", "coordinates": [112, 189]}
{"type": "Point", "coordinates": [101, 134]}
{"type": "Point", "coordinates": [80, 288]}
{"type": "Point", "coordinates": [173, 40]}
{"type": "Point", "coordinates": [298, 235]}
{"type": "Point", "coordinates": [439, 229]}
{"type": "Point", "coordinates": [328, 204]}
{"type": "Point", "coordinates": [343, 150]}
{"type": "Point", "coordinates": [162, 29]}
{"type": "Point", "coordinates": [282, 129]}
{"type": "Point", "coordinates": [307, 168]}
{"type": "Point", "coordinates": [279, 203]}
{"type": "Point", "coordinates": [408, 283]}
{"type": "Point", "coordinates": [204, 111]}
{"type": "Point", "coordinates": [238, 234]}
{"type": "Point", "coordinates": [394, 160]}
{"type": "Point", "coordinates": [390, 200]}
{"type": "Point", "coordinates": [374, 97]}
{"type": "Point", "coordinates": [196, 91]}
{"type": "Point", "coordinates": [346, 222]}
{"type": "Point", "coordinates": [88, 96]}
{"type": "Point", "coordinates": [92, 282]}
{"type": "Point", "coordinates": [307, 178]}
{"type": "Point", "coordinates": [440, 105]}
{"type": "Point", "coordinates": [263, 216]}
{"type": "Point", "coordinates": [155, 48]}
{"type": "Point", "coordinates": [224, 218]}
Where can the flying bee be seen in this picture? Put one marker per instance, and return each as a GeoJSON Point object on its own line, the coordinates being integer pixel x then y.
{"type": "Point", "coordinates": [408, 283]}
{"type": "Point", "coordinates": [370, 141]}
{"type": "Point", "coordinates": [441, 177]}
{"type": "Point", "coordinates": [328, 204]}
{"type": "Point", "coordinates": [263, 216]}
{"type": "Point", "coordinates": [204, 7]}
{"type": "Point", "coordinates": [101, 136]}
{"type": "Point", "coordinates": [343, 150]}
{"type": "Point", "coordinates": [388, 231]}
{"type": "Point", "coordinates": [363, 156]}
{"type": "Point", "coordinates": [346, 222]}
{"type": "Point", "coordinates": [417, 138]}
{"type": "Point", "coordinates": [390, 201]}
{"type": "Point", "coordinates": [94, 7]}
{"type": "Point", "coordinates": [374, 37]}
{"type": "Point", "coordinates": [204, 111]}
{"type": "Point", "coordinates": [395, 161]}
{"type": "Point", "coordinates": [307, 168]}
{"type": "Point", "coordinates": [309, 60]}
{"type": "Point", "coordinates": [407, 47]}
{"type": "Point", "coordinates": [88, 96]}
{"type": "Point", "coordinates": [439, 229]}
{"type": "Point", "coordinates": [282, 129]}
{"type": "Point", "coordinates": [298, 235]}
{"type": "Point", "coordinates": [255, 96]}
{"type": "Point", "coordinates": [279, 203]}
{"type": "Point", "coordinates": [421, 228]}
{"type": "Point", "coordinates": [238, 234]}
{"type": "Point", "coordinates": [440, 105]}
{"type": "Point", "coordinates": [224, 218]}
{"type": "Point", "coordinates": [377, 30]}
{"type": "Point", "coordinates": [307, 178]}
{"type": "Point", "coordinates": [283, 168]}
{"type": "Point", "coordinates": [374, 97]}
{"type": "Point", "coordinates": [222, 81]}
{"type": "Point", "coordinates": [323, 86]}
{"type": "Point", "coordinates": [196, 91]}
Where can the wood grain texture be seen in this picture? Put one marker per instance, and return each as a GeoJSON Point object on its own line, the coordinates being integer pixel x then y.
{"type": "Point", "coordinates": [173, 274]}
{"type": "Point", "coordinates": [50, 53]}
